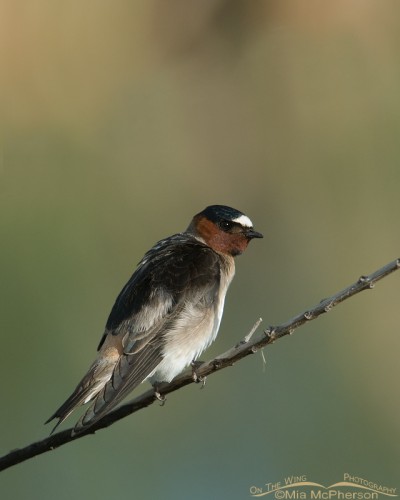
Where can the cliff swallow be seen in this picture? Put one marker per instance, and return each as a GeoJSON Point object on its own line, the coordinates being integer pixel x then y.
{"type": "Point", "coordinates": [166, 315]}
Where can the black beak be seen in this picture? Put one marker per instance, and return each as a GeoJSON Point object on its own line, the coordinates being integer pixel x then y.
{"type": "Point", "coordinates": [250, 233]}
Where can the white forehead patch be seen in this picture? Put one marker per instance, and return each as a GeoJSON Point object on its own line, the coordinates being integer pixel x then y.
{"type": "Point", "coordinates": [244, 221]}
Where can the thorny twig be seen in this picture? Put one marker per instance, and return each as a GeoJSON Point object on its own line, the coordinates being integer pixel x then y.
{"type": "Point", "coordinates": [239, 351]}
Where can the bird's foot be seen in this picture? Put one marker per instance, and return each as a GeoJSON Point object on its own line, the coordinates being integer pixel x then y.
{"type": "Point", "coordinates": [198, 379]}
{"type": "Point", "coordinates": [159, 396]}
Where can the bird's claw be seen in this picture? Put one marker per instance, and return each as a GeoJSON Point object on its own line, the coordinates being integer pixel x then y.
{"type": "Point", "coordinates": [160, 397]}
{"type": "Point", "coordinates": [198, 379]}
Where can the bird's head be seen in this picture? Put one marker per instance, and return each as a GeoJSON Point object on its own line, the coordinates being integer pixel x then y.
{"type": "Point", "coordinates": [224, 229]}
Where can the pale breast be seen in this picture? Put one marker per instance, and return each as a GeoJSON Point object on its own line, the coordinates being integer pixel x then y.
{"type": "Point", "coordinates": [194, 330]}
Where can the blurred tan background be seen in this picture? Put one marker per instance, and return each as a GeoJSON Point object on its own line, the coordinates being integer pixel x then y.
{"type": "Point", "coordinates": [120, 120]}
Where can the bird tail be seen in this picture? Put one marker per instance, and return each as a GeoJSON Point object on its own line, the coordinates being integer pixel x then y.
{"type": "Point", "coordinates": [91, 384]}
{"type": "Point", "coordinates": [129, 372]}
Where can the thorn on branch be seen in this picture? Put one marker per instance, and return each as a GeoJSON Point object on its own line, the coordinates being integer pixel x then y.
{"type": "Point", "coordinates": [270, 332]}
{"type": "Point", "coordinates": [250, 334]}
{"type": "Point", "coordinates": [366, 279]}
{"type": "Point", "coordinates": [216, 363]}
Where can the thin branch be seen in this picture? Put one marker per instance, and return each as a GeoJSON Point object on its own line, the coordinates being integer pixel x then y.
{"type": "Point", "coordinates": [251, 332]}
{"type": "Point", "coordinates": [241, 350]}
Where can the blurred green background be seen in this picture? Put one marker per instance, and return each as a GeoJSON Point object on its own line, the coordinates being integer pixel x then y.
{"type": "Point", "coordinates": [120, 120]}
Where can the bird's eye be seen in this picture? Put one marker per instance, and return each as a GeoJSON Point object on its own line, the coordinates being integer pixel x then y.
{"type": "Point", "coordinates": [226, 225]}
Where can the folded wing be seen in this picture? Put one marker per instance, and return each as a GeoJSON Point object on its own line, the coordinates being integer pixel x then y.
{"type": "Point", "coordinates": [178, 271]}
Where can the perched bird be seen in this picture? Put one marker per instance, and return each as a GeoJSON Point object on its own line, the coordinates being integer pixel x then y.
{"type": "Point", "coordinates": [166, 315]}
